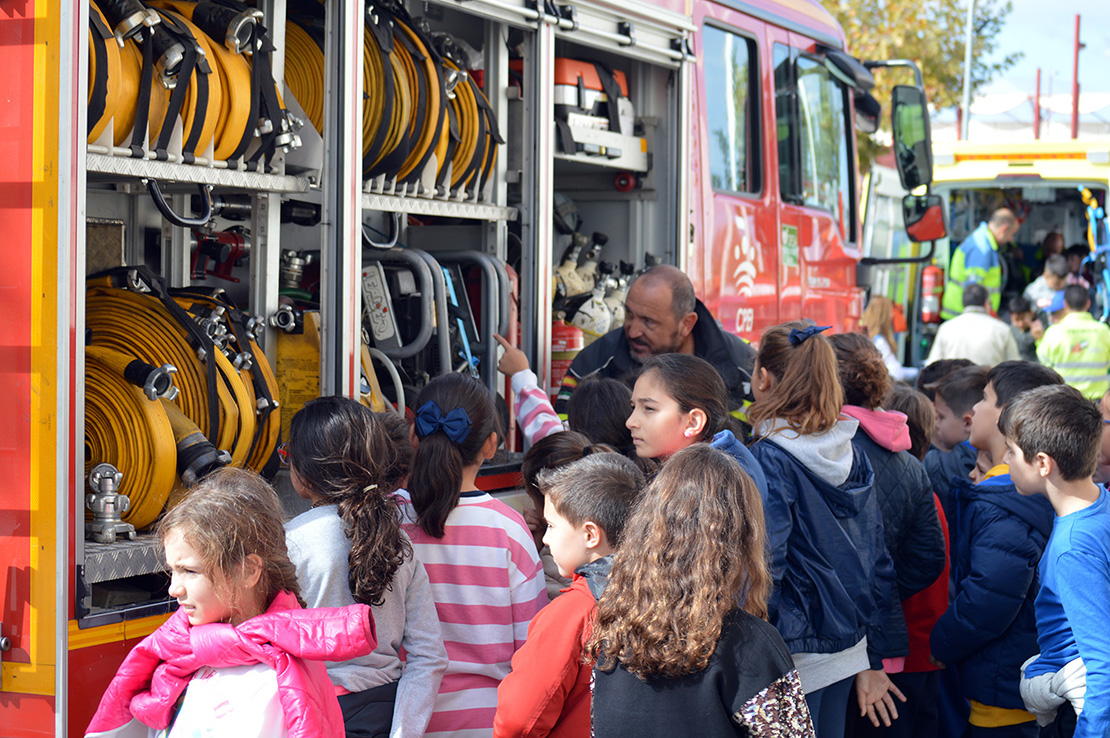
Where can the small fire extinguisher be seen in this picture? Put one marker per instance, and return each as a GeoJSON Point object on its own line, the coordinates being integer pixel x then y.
{"type": "Point", "coordinates": [932, 292]}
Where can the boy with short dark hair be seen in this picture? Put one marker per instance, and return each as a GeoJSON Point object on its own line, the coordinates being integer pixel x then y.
{"type": "Point", "coordinates": [586, 506]}
{"type": "Point", "coordinates": [1053, 436]}
{"type": "Point", "coordinates": [989, 629]}
{"type": "Point", "coordinates": [952, 456]}
{"type": "Point", "coordinates": [930, 374]}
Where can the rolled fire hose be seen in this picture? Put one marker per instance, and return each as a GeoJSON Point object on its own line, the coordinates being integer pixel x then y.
{"type": "Point", "coordinates": [212, 395]}
{"type": "Point", "coordinates": [129, 431]}
{"type": "Point", "coordinates": [225, 99]}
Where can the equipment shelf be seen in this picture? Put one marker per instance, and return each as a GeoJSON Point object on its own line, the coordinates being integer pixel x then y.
{"type": "Point", "coordinates": [127, 167]}
{"type": "Point", "coordinates": [440, 207]}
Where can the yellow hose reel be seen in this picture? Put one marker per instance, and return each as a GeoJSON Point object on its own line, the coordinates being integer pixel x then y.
{"type": "Point", "coordinates": [213, 73]}
{"type": "Point", "coordinates": [225, 412]}
{"type": "Point", "coordinates": [409, 115]}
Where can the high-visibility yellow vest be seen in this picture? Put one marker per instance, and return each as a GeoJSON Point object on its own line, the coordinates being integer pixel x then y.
{"type": "Point", "coordinates": [1078, 347]}
{"type": "Point", "coordinates": [975, 261]}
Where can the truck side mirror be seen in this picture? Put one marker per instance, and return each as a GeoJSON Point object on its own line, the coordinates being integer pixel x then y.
{"type": "Point", "coordinates": [924, 217]}
{"type": "Point", "coordinates": [912, 150]}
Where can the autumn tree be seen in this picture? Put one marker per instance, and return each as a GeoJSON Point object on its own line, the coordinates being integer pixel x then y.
{"type": "Point", "coordinates": [932, 34]}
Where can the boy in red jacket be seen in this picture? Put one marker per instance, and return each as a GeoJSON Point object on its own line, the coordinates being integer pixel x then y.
{"type": "Point", "coordinates": [586, 505]}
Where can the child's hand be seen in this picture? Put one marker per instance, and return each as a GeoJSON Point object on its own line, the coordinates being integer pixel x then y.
{"type": "Point", "coordinates": [513, 360]}
{"type": "Point", "coordinates": [873, 692]}
{"type": "Point", "coordinates": [936, 663]}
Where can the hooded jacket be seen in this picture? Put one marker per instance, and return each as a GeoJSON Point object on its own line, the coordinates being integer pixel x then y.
{"type": "Point", "coordinates": [727, 442]}
{"type": "Point", "coordinates": [292, 641]}
{"type": "Point", "coordinates": [610, 356]}
{"type": "Point", "coordinates": [990, 629]}
{"type": "Point", "coordinates": [833, 580]}
{"type": "Point", "coordinates": [942, 467]}
{"type": "Point", "coordinates": [547, 693]}
{"type": "Point", "coordinates": [911, 528]}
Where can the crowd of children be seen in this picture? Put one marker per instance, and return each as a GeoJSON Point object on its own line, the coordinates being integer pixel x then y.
{"type": "Point", "coordinates": [856, 558]}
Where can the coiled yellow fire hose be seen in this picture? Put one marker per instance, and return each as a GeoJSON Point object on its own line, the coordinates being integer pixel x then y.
{"type": "Point", "coordinates": [131, 432]}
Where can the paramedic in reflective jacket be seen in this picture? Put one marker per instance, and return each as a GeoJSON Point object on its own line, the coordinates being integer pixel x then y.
{"type": "Point", "coordinates": [977, 261]}
{"type": "Point", "coordinates": [663, 316]}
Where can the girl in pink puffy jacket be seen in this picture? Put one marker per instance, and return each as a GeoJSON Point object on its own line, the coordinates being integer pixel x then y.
{"type": "Point", "coordinates": [240, 657]}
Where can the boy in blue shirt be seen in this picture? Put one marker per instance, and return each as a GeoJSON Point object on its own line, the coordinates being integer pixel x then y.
{"type": "Point", "coordinates": [1053, 436]}
{"type": "Point", "coordinates": [989, 629]}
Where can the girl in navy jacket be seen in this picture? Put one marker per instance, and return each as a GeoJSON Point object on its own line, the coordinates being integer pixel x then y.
{"type": "Point", "coordinates": [833, 579]}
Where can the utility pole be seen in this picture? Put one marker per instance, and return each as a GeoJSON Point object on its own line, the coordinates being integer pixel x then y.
{"type": "Point", "coordinates": [1075, 82]}
{"type": "Point", "coordinates": [966, 105]}
{"type": "Point", "coordinates": [1037, 108]}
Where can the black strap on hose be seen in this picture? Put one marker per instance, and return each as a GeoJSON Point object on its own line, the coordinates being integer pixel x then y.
{"type": "Point", "coordinates": [383, 36]}
{"type": "Point", "coordinates": [237, 319]}
{"type": "Point", "coordinates": [102, 35]}
{"type": "Point", "coordinates": [440, 113]}
{"type": "Point", "coordinates": [196, 335]}
{"type": "Point", "coordinates": [193, 61]}
{"type": "Point", "coordinates": [263, 78]}
{"type": "Point", "coordinates": [612, 94]}
{"type": "Point", "coordinates": [391, 163]}
{"type": "Point", "coordinates": [453, 139]}
{"type": "Point", "coordinates": [142, 110]}
{"type": "Point", "coordinates": [484, 108]}
{"type": "Point", "coordinates": [478, 156]}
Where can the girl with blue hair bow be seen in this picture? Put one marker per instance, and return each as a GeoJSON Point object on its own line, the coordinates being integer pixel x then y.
{"type": "Point", "coordinates": [486, 576]}
{"type": "Point", "coordinates": [833, 577]}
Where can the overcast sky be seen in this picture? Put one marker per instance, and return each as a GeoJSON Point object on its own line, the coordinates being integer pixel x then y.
{"type": "Point", "coordinates": [1045, 31]}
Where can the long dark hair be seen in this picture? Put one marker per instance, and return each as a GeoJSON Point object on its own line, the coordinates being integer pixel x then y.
{"type": "Point", "coordinates": [345, 455]}
{"type": "Point", "coordinates": [437, 467]}
{"type": "Point", "coordinates": [598, 409]}
{"type": "Point", "coordinates": [693, 382]}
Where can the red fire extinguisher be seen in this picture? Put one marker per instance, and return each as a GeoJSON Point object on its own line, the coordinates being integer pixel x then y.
{"type": "Point", "coordinates": [932, 292]}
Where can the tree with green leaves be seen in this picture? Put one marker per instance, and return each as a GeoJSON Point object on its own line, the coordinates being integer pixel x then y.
{"type": "Point", "coordinates": [932, 34]}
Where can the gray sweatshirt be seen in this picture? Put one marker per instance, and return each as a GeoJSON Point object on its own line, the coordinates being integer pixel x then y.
{"type": "Point", "coordinates": [319, 547]}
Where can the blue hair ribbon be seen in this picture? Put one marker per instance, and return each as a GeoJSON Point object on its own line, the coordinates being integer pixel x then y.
{"type": "Point", "coordinates": [455, 425]}
{"type": "Point", "coordinates": [798, 337]}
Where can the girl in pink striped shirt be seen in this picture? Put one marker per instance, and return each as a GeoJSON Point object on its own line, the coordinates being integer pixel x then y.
{"type": "Point", "coordinates": [485, 573]}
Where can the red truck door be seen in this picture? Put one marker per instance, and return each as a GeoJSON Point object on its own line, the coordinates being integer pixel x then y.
{"type": "Point", "coordinates": [817, 182]}
{"type": "Point", "coordinates": [734, 262]}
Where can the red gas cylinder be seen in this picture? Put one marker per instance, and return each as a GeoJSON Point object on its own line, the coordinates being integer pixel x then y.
{"type": "Point", "coordinates": [932, 292]}
{"type": "Point", "coordinates": [566, 342]}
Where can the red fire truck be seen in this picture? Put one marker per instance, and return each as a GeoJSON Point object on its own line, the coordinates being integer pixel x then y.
{"type": "Point", "coordinates": [155, 151]}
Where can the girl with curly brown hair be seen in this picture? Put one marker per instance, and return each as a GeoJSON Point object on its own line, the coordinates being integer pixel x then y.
{"type": "Point", "coordinates": [680, 641]}
{"type": "Point", "coordinates": [350, 548]}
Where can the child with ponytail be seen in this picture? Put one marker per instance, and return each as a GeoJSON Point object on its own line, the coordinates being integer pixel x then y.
{"type": "Point", "coordinates": [350, 548]}
{"type": "Point", "coordinates": [833, 579]}
{"type": "Point", "coordinates": [486, 575]}
{"type": "Point", "coordinates": [239, 657]}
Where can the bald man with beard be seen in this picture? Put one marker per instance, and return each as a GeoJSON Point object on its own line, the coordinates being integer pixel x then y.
{"type": "Point", "coordinates": [662, 315]}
